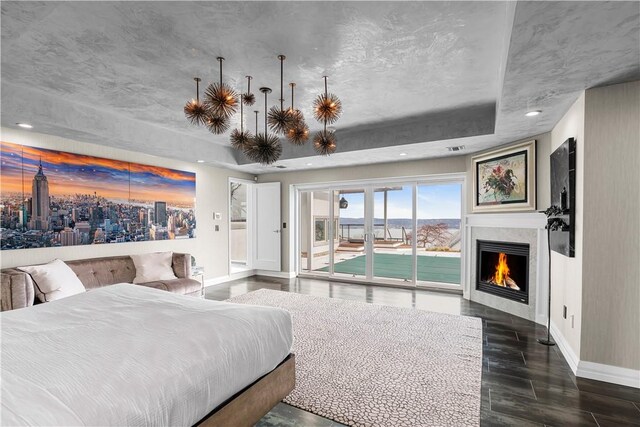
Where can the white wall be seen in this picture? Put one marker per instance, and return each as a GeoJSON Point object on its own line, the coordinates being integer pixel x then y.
{"type": "Point", "coordinates": [210, 248]}
{"type": "Point", "coordinates": [566, 273]}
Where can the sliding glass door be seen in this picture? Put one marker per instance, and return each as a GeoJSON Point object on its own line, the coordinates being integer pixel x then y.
{"type": "Point", "coordinates": [350, 256]}
{"type": "Point", "coordinates": [405, 233]}
{"type": "Point", "coordinates": [392, 233]}
{"type": "Point", "coordinates": [439, 232]}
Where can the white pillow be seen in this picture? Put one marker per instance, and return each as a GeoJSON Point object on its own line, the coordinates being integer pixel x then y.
{"type": "Point", "coordinates": [54, 280]}
{"type": "Point", "coordinates": [153, 267]}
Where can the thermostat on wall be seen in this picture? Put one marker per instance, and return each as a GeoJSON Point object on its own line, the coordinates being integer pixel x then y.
{"type": "Point", "coordinates": [217, 215]}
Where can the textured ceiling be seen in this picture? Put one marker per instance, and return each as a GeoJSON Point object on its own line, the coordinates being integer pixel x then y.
{"type": "Point", "coordinates": [416, 75]}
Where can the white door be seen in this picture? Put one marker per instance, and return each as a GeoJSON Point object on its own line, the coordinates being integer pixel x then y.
{"type": "Point", "coordinates": [267, 226]}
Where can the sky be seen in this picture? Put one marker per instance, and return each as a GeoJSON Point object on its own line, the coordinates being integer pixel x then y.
{"type": "Point", "coordinates": [69, 174]}
{"type": "Point", "coordinates": [435, 201]}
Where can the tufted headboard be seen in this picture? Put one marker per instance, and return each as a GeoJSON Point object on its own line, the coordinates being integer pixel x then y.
{"type": "Point", "coordinates": [17, 286]}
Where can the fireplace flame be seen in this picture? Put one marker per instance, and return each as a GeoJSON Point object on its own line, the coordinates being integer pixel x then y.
{"type": "Point", "coordinates": [501, 275]}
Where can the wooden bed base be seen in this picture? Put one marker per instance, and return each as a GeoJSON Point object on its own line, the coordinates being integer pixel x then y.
{"type": "Point", "coordinates": [246, 407]}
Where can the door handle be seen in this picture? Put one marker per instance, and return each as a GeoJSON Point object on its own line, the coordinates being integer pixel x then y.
{"type": "Point", "coordinates": [276, 231]}
{"type": "Point", "coordinates": [366, 237]}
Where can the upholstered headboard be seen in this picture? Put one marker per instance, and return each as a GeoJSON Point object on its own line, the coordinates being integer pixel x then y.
{"type": "Point", "coordinates": [18, 289]}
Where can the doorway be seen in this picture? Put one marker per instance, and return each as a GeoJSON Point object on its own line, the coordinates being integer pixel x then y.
{"type": "Point", "coordinates": [240, 235]}
{"type": "Point", "coordinates": [403, 232]}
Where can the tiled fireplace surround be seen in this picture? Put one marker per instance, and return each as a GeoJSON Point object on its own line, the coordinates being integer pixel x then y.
{"type": "Point", "coordinates": [517, 228]}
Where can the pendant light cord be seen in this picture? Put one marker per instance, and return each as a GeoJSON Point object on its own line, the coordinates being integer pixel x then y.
{"type": "Point", "coordinates": [197, 79]}
{"type": "Point", "coordinates": [281, 82]}
{"type": "Point", "coordinates": [220, 59]}
{"type": "Point", "coordinates": [265, 115]}
{"type": "Point", "coordinates": [256, 111]}
{"type": "Point", "coordinates": [241, 118]}
{"type": "Point", "coordinates": [292, 86]}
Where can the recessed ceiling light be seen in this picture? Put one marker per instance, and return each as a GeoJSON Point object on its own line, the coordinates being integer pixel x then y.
{"type": "Point", "coordinates": [403, 154]}
{"type": "Point", "coordinates": [25, 125]}
{"type": "Point", "coordinates": [309, 164]}
{"type": "Point", "coordinates": [200, 161]}
{"type": "Point", "coordinates": [533, 113]}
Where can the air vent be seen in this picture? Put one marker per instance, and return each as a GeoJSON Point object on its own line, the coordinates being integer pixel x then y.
{"type": "Point", "coordinates": [456, 148]}
{"type": "Point", "coordinates": [281, 167]}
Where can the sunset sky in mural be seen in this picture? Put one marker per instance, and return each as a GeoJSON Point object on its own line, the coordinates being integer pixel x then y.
{"type": "Point", "coordinates": [70, 174]}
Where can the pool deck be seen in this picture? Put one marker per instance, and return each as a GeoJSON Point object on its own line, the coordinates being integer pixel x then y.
{"type": "Point", "coordinates": [431, 268]}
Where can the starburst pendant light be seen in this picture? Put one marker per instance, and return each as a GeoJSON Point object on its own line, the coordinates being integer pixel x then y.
{"type": "Point", "coordinates": [221, 99]}
{"type": "Point", "coordinates": [324, 142]}
{"type": "Point", "coordinates": [241, 140]}
{"type": "Point", "coordinates": [327, 107]}
{"type": "Point", "coordinates": [298, 132]}
{"type": "Point", "coordinates": [248, 98]}
{"type": "Point", "coordinates": [266, 149]}
{"type": "Point", "coordinates": [217, 125]}
{"type": "Point", "coordinates": [279, 119]}
{"type": "Point", "coordinates": [195, 110]}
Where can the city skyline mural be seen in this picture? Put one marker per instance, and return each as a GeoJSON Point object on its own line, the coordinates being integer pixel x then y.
{"type": "Point", "coordinates": [52, 198]}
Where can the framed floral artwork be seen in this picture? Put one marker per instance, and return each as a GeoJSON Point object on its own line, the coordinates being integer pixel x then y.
{"type": "Point", "coordinates": [505, 179]}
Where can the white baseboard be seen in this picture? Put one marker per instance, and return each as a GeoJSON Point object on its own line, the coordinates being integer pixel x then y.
{"type": "Point", "coordinates": [281, 274]}
{"type": "Point", "coordinates": [565, 348]}
{"type": "Point", "coordinates": [248, 273]}
{"type": "Point", "coordinates": [595, 371]}
{"type": "Point", "coordinates": [229, 277]}
{"type": "Point", "coordinates": [608, 373]}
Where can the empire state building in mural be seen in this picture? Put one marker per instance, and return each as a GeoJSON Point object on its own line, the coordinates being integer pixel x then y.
{"type": "Point", "coordinates": [52, 198]}
{"type": "Point", "coordinates": [39, 201]}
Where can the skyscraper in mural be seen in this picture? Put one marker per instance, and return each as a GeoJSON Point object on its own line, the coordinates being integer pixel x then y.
{"type": "Point", "coordinates": [160, 209]}
{"type": "Point", "coordinates": [39, 201]}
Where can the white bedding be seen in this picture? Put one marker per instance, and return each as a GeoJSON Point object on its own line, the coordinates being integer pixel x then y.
{"type": "Point", "coordinates": [132, 355]}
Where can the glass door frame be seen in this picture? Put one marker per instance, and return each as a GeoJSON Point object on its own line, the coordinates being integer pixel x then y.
{"type": "Point", "coordinates": [368, 186]}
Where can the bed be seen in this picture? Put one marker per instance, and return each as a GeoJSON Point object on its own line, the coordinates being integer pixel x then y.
{"type": "Point", "coordinates": [131, 355]}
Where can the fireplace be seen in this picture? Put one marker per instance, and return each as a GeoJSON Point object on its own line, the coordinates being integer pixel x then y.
{"type": "Point", "coordinates": [503, 269]}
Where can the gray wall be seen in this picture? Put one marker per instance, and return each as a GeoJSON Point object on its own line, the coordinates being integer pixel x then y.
{"type": "Point", "coordinates": [385, 170]}
{"type": "Point", "coordinates": [611, 255]}
{"type": "Point", "coordinates": [210, 248]}
{"type": "Point", "coordinates": [566, 273]}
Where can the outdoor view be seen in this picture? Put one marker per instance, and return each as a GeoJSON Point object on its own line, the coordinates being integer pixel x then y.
{"type": "Point", "coordinates": [437, 236]}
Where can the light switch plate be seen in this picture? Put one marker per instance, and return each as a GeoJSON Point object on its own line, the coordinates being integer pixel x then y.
{"type": "Point", "coordinates": [217, 216]}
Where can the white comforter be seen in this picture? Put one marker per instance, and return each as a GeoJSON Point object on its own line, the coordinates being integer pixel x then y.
{"type": "Point", "coordinates": [131, 355]}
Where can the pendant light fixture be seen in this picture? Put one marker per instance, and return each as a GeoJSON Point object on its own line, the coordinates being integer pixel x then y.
{"type": "Point", "coordinates": [217, 125]}
{"type": "Point", "coordinates": [221, 99]}
{"type": "Point", "coordinates": [195, 110]}
{"type": "Point", "coordinates": [248, 98]}
{"type": "Point", "coordinates": [326, 109]}
{"type": "Point", "coordinates": [298, 132]}
{"type": "Point", "coordinates": [266, 149]}
{"type": "Point", "coordinates": [240, 140]}
{"type": "Point", "coordinates": [327, 106]}
{"type": "Point", "coordinates": [279, 118]}
{"type": "Point", "coordinates": [220, 103]}
{"type": "Point", "coordinates": [324, 142]}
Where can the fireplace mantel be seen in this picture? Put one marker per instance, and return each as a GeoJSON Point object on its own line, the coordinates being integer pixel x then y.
{"type": "Point", "coordinates": [506, 224]}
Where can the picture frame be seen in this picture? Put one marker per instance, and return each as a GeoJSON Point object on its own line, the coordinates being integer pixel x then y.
{"type": "Point", "coordinates": [320, 230]}
{"type": "Point", "coordinates": [504, 180]}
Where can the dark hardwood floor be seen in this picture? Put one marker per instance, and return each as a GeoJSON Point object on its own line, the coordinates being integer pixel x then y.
{"type": "Point", "coordinates": [523, 382]}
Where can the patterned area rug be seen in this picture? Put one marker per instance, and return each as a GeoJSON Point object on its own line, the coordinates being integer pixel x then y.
{"type": "Point", "coordinates": [371, 365]}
